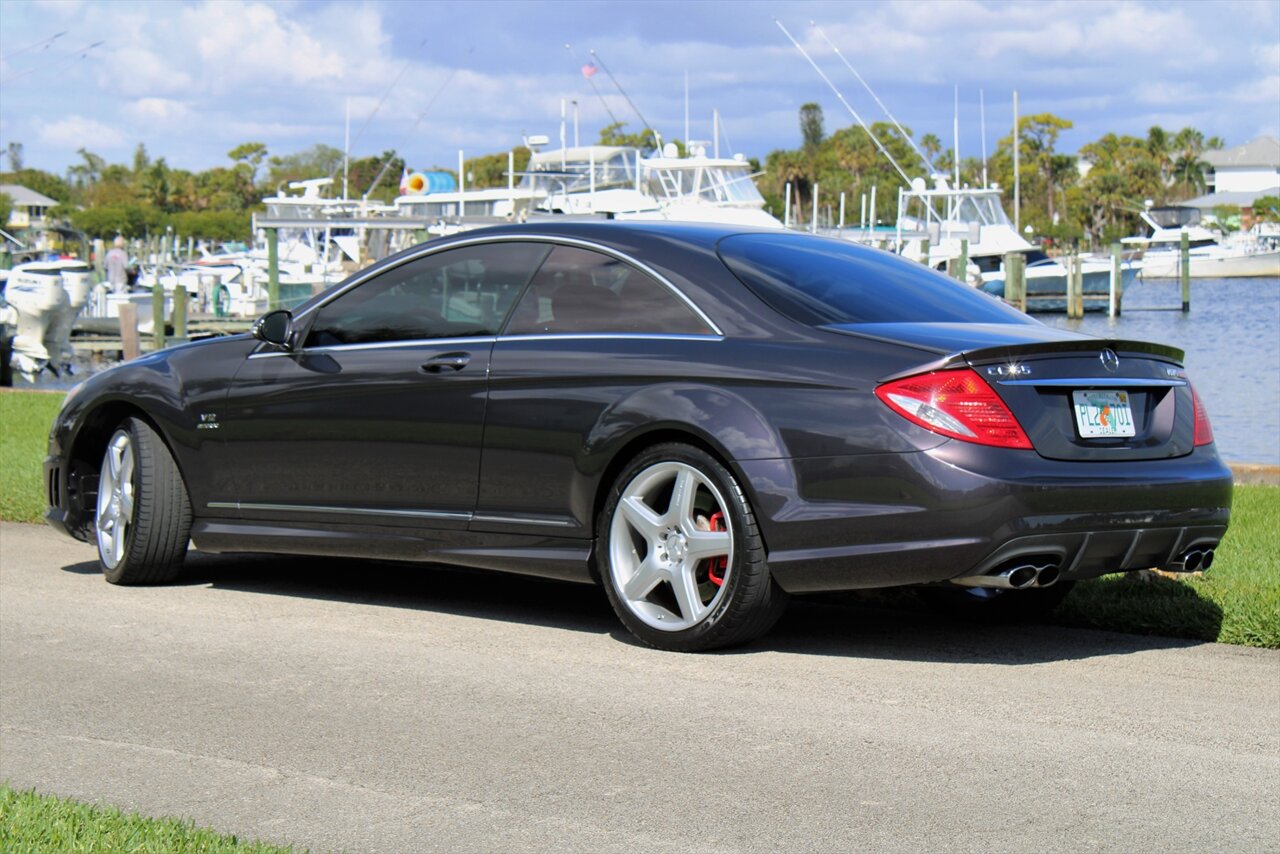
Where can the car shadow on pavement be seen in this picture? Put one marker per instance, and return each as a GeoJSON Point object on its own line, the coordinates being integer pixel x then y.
{"type": "Point", "coordinates": [882, 624]}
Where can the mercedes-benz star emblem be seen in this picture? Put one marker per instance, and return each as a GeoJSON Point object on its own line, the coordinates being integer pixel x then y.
{"type": "Point", "coordinates": [1109, 360]}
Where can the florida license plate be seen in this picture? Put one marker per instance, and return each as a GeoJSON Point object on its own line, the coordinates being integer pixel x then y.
{"type": "Point", "coordinates": [1103, 414]}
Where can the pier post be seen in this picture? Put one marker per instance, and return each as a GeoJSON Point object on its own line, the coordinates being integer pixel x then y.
{"type": "Point", "coordinates": [1117, 280]}
{"type": "Point", "coordinates": [273, 269]}
{"type": "Point", "coordinates": [1015, 288]}
{"type": "Point", "coordinates": [1075, 301]}
{"type": "Point", "coordinates": [924, 252]}
{"type": "Point", "coordinates": [157, 313]}
{"type": "Point", "coordinates": [129, 331]}
{"type": "Point", "coordinates": [1186, 271]}
{"type": "Point", "coordinates": [99, 260]}
{"type": "Point", "coordinates": [962, 263]}
{"type": "Point", "coordinates": [179, 314]}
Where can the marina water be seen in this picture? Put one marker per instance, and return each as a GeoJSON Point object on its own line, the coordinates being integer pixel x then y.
{"type": "Point", "coordinates": [1232, 340]}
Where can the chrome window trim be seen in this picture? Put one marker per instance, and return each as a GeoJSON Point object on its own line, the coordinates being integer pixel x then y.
{"type": "Point", "coordinates": [1098, 382]}
{"type": "Point", "coordinates": [380, 345]}
{"type": "Point", "coordinates": [593, 336]}
{"type": "Point", "coordinates": [489, 339]}
{"type": "Point", "coordinates": [535, 238]}
{"type": "Point", "coordinates": [354, 511]}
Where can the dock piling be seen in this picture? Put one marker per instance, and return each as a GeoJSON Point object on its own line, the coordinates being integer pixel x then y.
{"type": "Point", "coordinates": [273, 269]}
{"type": "Point", "coordinates": [179, 314]}
{"type": "Point", "coordinates": [1186, 271]}
{"type": "Point", "coordinates": [1117, 281]}
{"type": "Point", "coordinates": [962, 263]}
{"type": "Point", "coordinates": [1015, 283]}
{"type": "Point", "coordinates": [157, 315]}
{"type": "Point", "coordinates": [129, 343]}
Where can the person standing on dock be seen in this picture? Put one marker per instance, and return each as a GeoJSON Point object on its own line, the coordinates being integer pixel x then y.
{"type": "Point", "coordinates": [117, 263]}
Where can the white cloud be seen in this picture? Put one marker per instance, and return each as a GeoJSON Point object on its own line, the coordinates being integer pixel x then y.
{"type": "Point", "coordinates": [165, 111]}
{"type": "Point", "coordinates": [73, 132]}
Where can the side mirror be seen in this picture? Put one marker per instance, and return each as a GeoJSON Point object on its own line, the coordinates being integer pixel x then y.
{"type": "Point", "coordinates": [274, 327]}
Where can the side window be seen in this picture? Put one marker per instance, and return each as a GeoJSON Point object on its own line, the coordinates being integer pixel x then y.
{"type": "Point", "coordinates": [580, 291]}
{"type": "Point", "coordinates": [451, 294]}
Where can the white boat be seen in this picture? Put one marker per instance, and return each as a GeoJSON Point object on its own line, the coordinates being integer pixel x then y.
{"type": "Point", "coordinates": [945, 217]}
{"type": "Point", "coordinates": [1210, 257]}
{"type": "Point", "coordinates": [622, 183]}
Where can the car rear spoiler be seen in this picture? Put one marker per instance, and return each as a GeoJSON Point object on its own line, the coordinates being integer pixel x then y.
{"type": "Point", "coordinates": [1006, 353]}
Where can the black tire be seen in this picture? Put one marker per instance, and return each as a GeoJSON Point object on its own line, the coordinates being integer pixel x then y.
{"type": "Point", "coordinates": [746, 602]}
{"type": "Point", "coordinates": [986, 605]}
{"type": "Point", "coordinates": [155, 518]}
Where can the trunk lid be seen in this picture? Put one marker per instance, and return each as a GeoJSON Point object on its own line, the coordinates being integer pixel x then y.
{"type": "Point", "coordinates": [1059, 384]}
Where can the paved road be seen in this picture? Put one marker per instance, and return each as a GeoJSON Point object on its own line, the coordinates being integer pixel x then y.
{"type": "Point", "coordinates": [380, 707]}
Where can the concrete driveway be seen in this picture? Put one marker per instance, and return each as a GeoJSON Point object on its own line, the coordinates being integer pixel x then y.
{"type": "Point", "coordinates": [341, 705]}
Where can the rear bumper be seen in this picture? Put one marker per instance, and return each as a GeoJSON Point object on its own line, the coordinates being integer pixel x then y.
{"type": "Point", "coordinates": [842, 523]}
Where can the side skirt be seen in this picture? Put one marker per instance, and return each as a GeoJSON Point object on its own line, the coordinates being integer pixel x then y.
{"type": "Point", "coordinates": [542, 556]}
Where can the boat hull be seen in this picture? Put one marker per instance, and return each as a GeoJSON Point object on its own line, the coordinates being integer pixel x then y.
{"type": "Point", "coordinates": [1168, 265]}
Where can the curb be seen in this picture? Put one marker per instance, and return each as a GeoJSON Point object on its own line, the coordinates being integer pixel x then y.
{"type": "Point", "coordinates": [1255, 473]}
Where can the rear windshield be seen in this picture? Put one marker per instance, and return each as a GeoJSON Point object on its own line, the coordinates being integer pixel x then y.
{"type": "Point", "coordinates": [819, 281]}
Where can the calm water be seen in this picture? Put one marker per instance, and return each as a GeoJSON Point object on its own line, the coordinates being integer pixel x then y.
{"type": "Point", "coordinates": [1232, 340]}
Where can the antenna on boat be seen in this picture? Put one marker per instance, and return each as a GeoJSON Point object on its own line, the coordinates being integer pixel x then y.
{"type": "Point", "coordinates": [643, 120]}
{"type": "Point", "coordinates": [587, 76]}
{"type": "Point", "coordinates": [840, 96]}
{"type": "Point", "coordinates": [346, 152]}
{"type": "Point", "coordinates": [686, 109]}
{"type": "Point", "coordinates": [982, 123]}
{"type": "Point", "coordinates": [955, 131]}
{"type": "Point", "coordinates": [872, 93]}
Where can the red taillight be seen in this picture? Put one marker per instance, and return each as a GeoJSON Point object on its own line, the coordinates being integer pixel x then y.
{"type": "Point", "coordinates": [955, 403]}
{"type": "Point", "coordinates": [1204, 431]}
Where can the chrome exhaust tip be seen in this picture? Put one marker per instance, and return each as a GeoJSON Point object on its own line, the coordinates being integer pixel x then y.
{"type": "Point", "coordinates": [1048, 576]}
{"type": "Point", "coordinates": [1018, 577]}
{"type": "Point", "coordinates": [1206, 560]}
{"type": "Point", "coordinates": [1192, 560]}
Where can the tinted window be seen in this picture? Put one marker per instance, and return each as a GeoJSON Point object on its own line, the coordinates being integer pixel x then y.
{"type": "Point", "coordinates": [817, 281]}
{"type": "Point", "coordinates": [577, 290]}
{"type": "Point", "coordinates": [450, 294]}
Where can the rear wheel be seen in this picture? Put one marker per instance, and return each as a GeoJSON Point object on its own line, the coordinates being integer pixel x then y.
{"type": "Point", "coordinates": [991, 605]}
{"type": "Point", "coordinates": [680, 555]}
{"type": "Point", "coordinates": [143, 519]}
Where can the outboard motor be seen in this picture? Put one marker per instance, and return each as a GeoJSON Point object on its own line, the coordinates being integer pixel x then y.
{"type": "Point", "coordinates": [36, 293]}
{"type": "Point", "coordinates": [77, 281]}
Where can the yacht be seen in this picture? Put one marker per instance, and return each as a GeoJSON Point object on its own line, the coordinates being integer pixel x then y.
{"type": "Point", "coordinates": [1238, 256]}
{"type": "Point", "coordinates": [944, 216]}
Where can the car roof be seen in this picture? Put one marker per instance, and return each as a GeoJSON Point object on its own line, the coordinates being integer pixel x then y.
{"type": "Point", "coordinates": [706, 234]}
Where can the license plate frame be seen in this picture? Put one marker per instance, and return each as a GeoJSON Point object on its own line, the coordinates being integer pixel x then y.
{"type": "Point", "coordinates": [1103, 414]}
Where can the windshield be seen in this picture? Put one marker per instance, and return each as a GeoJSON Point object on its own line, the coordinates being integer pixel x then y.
{"type": "Point", "coordinates": [716, 184]}
{"type": "Point", "coordinates": [574, 175]}
{"type": "Point", "coordinates": [820, 282]}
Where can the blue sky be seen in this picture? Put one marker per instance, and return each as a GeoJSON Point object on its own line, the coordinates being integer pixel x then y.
{"type": "Point", "coordinates": [193, 79]}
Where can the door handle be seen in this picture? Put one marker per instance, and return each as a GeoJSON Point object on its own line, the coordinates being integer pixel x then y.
{"type": "Point", "coordinates": [445, 362]}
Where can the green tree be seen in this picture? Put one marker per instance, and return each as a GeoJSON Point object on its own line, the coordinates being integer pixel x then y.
{"type": "Point", "coordinates": [490, 170]}
{"type": "Point", "coordinates": [812, 131]}
{"type": "Point", "coordinates": [645, 140]}
{"type": "Point", "coordinates": [318, 161]}
{"type": "Point", "coordinates": [250, 154]}
{"type": "Point", "coordinates": [45, 183]}
{"type": "Point", "coordinates": [1266, 209]}
{"type": "Point", "coordinates": [6, 208]}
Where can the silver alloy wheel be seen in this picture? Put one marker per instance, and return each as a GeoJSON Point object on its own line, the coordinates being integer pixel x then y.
{"type": "Point", "coordinates": [115, 499]}
{"type": "Point", "coordinates": [672, 547]}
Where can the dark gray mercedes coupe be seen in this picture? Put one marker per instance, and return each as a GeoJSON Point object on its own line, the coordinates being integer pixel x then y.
{"type": "Point", "coordinates": [702, 419]}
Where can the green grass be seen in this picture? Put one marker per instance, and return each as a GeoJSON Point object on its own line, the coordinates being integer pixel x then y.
{"type": "Point", "coordinates": [25, 418]}
{"type": "Point", "coordinates": [32, 822]}
{"type": "Point", "coordinates": [1237, 602]}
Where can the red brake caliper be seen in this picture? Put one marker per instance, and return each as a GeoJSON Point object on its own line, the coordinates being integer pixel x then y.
{"type": "Point", "coordinates": [716, 566]}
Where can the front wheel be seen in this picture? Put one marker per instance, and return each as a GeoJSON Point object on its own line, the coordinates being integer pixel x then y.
{"type": "Point", "coordinates": [681, 557]}
{"type": "Point", "coordinates": [143, 519]}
